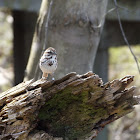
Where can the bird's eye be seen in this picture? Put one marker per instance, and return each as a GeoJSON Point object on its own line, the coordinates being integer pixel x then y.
{"type": "Point", "coordinates": [51, 57]}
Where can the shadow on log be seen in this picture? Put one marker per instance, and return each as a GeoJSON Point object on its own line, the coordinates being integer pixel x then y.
{"type": "Point", "coordinates": [74, 107]}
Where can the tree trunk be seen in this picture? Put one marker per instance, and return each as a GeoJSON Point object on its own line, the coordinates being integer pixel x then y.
{"type": "Point", "coordinates": [73, 31]}
{"type": "Point", "coordinates": [74, 107]}
{"type": "Point", "coordinates": [23, 28]}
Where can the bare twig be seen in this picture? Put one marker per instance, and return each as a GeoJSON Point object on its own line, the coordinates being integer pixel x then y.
{"type": "Point", "coordinates": [109, 11]}
{"type": "Point", "coordinates": [102, 19]}
{"type": "Point", "coordinates": [124, 36]}
{"type": "Point", "coordinates": [124, 8]}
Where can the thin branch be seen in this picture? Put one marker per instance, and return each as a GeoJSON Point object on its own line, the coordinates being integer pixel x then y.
{"type": "Point", "coordinates": [102, 19]}
{"type": "Point", "coordinates": [124, 36]}
{"type": "Point", "coordinates": [109, 11]}
{"type": "Point", "coordinates": [126, 9]}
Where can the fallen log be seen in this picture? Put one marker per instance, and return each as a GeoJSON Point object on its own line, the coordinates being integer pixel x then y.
{"type": "Point", "coordinates": [73, 107]}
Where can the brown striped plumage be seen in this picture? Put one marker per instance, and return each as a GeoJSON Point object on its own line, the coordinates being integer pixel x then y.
{"type": "Point", "coordinates": [48, 62]}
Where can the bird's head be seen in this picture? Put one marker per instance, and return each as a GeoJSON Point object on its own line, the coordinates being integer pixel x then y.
{"type": "Point", "coordinates": [51, 51]}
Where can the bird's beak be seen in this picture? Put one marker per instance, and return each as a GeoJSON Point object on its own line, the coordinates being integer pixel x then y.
{"type": "Point", "coordinates": [54, 53]}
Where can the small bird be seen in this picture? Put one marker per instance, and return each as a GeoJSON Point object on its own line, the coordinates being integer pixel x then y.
{"type": "Point", "coordinates": [48, 62]}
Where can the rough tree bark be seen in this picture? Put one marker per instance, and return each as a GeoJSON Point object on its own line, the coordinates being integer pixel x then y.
{"type": "Point", "coordinates": [73, 31]}
{"type": "Point", "coordinates": [73, 107]}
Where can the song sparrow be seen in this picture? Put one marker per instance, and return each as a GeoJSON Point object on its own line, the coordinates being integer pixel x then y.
{"type": "Point", "coordinates": [48, 62]}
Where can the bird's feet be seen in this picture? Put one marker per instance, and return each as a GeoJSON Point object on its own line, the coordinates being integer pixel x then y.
{"type": "Point", "coordinates": [44, 79]}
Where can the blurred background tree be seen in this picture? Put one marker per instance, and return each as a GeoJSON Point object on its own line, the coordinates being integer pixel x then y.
{"type": "Point", "coordinates": [24, 16]}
